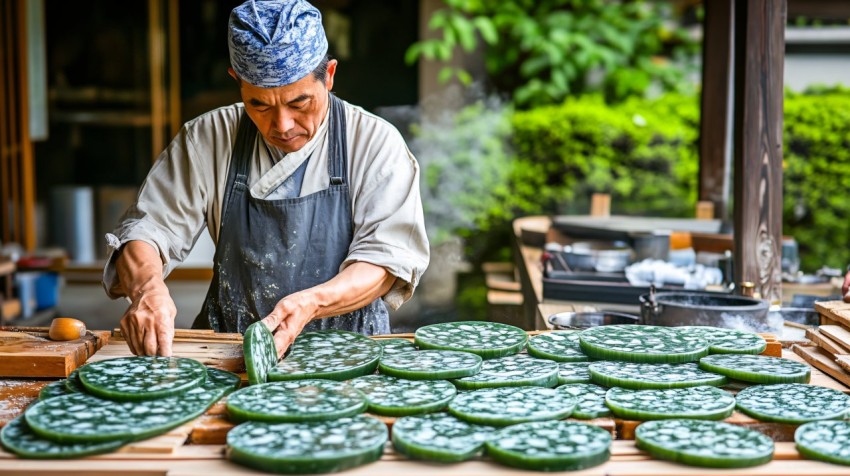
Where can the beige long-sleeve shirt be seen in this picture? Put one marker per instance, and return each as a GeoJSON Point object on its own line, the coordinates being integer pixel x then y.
{"type": "Point", "coordinates": [184, 193]}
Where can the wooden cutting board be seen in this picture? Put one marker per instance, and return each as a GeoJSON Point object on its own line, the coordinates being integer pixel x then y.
{"type": "Point", "coordinates": [27, 352]}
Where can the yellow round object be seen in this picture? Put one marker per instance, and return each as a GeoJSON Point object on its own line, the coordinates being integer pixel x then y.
{"type": "Point", "coordinates": [66, 328]}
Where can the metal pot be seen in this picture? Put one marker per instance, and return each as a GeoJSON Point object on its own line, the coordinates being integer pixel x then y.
{"type": "Point", "coordinates": [583, 320]}
{"type": "Point", "coordinates": [705, 309]}
{"type": "Point", "coordinates": [602, 256]}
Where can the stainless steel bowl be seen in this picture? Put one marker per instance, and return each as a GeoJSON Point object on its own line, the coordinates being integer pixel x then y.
{"type": "Point", "coordinates": [584, 320]}
{"type": "Point", "coordinates": [601, 256]}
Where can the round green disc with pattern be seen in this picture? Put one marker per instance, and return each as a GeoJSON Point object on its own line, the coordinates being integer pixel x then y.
{"type": "Point", "coordinates": [260, 352]}
{"type": "Point", "coordinates": [229, 381]}
{"type": "Point", "coordinates": [142, 378]}
{"type": "Point", "coordinates": [393, 396]}
{"type": "Point", "coordinates": [295, 401]}
{"type": "Point", "coordinates": [649, 344]}
{"type": "Point", "coordinates": [560, 346]}
{"type": "Point", "coordinates": [824, 440]}
{"type": "Point", "coordinates": [439, 437]}
{"type": "Point", "coordinates": [84, 418]}
{"type": "Point", "coordinates": [590, 398]}
{"type": "Point", "coordinates": [396, 346]}
{"type": "Point", "coordinates": [573, 372]}
{"type": "Point", "coordinates": [509, 406]}
{"type": "Point", "coordinates": [550, 446]}
{"type": "Point", "coordinates": [430, 364]}
{"type": "Point", "coordinates": [54, 389]}
{"type": "Point", "coordinates": [307, 448]}
{"type": "Point", "coordinates": [710, 444]}
{"type": "Point", "coordinates": [487, 339]}
{"type": "Point", "coordinates": [756, 368]}
{"type": "Point", "coordinates": [793, 403]}
{"type": "Point", "coordinates": [728, 341]}
{"type": "Point", "coordinates": [701, 403]}
{"type": "Point", "coordinates": [333, 355]}
{"type": "Point", "coordinates": [512, 371]}
{"type": "Point", "coordinates": [73, 382]}
{"type": "Point", "coordinates": [20, 440]}
{"type": "Point", "coordinates": [638, 376]}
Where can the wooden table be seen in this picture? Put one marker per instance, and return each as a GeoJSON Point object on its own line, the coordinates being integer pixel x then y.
{"type": "Point", "coordinates": [184, 450]}
{"type": "Point", "coordinates": [537, 309]}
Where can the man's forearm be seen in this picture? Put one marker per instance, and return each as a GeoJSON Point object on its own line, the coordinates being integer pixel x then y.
{"type": "Point", "coordinates": [139, 268]}
{"type": "Point", "coordinates": [355, 287]}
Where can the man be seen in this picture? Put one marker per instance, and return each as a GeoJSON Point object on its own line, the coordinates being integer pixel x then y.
{"type": "Point", "coordinates": [845, 289]}
{"type": "Point", "coordinates": [313, 203]}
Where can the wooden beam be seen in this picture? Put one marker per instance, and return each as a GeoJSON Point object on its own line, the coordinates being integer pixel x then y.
{"type": "Point", "coordinates": [155, 58]}
{"type": "Point", "coordinates": [716, 104]}
{"type": "Point", "coordinates": [759, 61]}
{"type": "Point", "coordinates": [10, 204]}
{"type": "Point", "coordinates": [27, 212]}
{"type": "Point", "coordinates": [173, 68]}
{"type": "Point", "coordinates": [5, 141]}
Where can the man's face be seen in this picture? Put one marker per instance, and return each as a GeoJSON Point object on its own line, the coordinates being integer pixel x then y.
{"type": "Point", "coordinates": [288, 116]}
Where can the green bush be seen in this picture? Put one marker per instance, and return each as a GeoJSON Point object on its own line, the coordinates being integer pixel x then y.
{"type": "Point", "coordinates": [642, 152]}
{"type": "Point", "coordinates": [645, 154]}
{"type": "Point", "coordinates": [489, 164]}
{"type": "Point", "coordinates": [816, 180]}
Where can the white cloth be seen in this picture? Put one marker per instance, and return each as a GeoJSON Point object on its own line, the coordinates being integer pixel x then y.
{"type": "Point", "coordinates": [184, 193]}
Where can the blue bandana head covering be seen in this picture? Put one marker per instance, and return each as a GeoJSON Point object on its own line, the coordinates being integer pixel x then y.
{"type": "Point", "coordinates": [275, 42]}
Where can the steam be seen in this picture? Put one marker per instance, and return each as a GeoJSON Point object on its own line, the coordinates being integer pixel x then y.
{"type": "Point", "coordinates": [461, 140]}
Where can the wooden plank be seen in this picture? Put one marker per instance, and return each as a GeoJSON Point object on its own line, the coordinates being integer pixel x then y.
{"type": "Point", "coordinates": [818, 377]}
{"type": "Point", "coordinates": [842, 316]}
{"type": "Point", "coordinates": [195, 335]}
{"type": "Point", "coordinates": [220, 355]}
{"type": "Point", "coordinates": [167, 443]}
{"type": "Point", "coordinates": [776, 431]}
{"type": "Point", "coordinates": [839, 335]}
{"type": "Point", "coordinates": [824, 342]}
{"type": "Point", "coordinates": [825, 308]}
{"type": "Point", "coordinates": [843, 361]}
{"type": "Point", "coordinates": [210, 430]}
{"type": "Point", "coordinates": [715, 101]}
{"type": "Point", "coordinates": [16, 395]}
{"type": "Point", "coordinates": [759, 57]}
{"type": "Point", "coordinates": [36, 358]}
{"type": "Point", "coordinates": [27, 177]}
{"type": "Point", "coordinates": [822, 361]}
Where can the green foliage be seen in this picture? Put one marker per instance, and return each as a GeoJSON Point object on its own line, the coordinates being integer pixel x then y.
{"type": "Point", "coordinates": [642, 152]}
{"type": "Point", "coordinates": [466, 166]}
{"type": "Point", "coordinates": [816, 180]}
{"type": "Point", "coordinates": [488, 167]}
{"type": "Point", "coordinates": [543, 51]}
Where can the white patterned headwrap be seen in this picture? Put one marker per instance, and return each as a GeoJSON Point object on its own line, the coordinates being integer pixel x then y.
{"type": "Point", "coordinates": [275, 42]}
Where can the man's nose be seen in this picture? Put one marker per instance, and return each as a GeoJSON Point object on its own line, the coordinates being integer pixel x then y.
{"type": "Point", "coordinates": [284, 119]}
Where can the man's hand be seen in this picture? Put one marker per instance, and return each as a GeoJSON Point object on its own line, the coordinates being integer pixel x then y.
{"type": "Point", "coordinates": [148, 324]}
{"type": "Point", "coordinates": [288, 319]}
{"type": "Point", "coordinates": [845, 290]}
{"type": "Point", "coordinates": [354, 287]}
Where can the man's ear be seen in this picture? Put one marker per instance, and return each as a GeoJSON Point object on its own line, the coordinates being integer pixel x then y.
{"type": "Point", "coordinates": [329, 77]}
{"type": "Point", "coordinates": [233, 74]}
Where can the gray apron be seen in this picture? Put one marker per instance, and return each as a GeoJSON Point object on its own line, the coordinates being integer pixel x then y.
{"type": "Point", "coordinates": [269, 249]}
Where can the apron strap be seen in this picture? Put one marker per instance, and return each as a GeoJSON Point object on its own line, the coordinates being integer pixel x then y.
{"type": "Point", "coordinates": [337, 145]}
{"type": "Point", "coordinates": [243, 148]}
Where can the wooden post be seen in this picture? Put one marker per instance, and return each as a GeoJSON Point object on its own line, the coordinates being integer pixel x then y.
{"type": "Point", "coordinates": [759, 61]}
{"type": "Point", "coordinates": [155, 59]}
{"type": "Point", "coordinates": [27, 211]}
{"type": "Point", "coordinates": [715, 127]}
{"type": "Point", "coordinates": [600, 205]}
{"type": "Point", "coordinates": [705, 210]}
